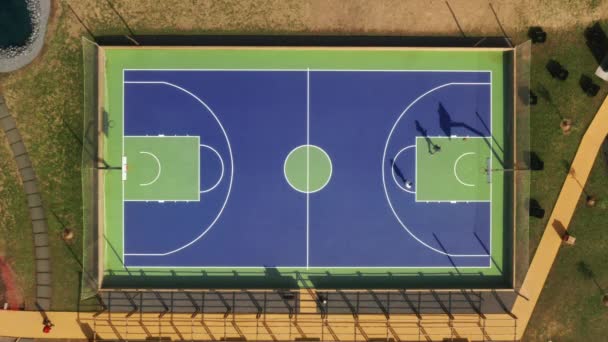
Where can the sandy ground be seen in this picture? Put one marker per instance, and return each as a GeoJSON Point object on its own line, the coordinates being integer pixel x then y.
{"type": "Point", "coordinates": [413, 17]}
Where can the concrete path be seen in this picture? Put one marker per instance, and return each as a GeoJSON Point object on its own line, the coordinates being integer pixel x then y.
{"type": "Point", "coordinates": [562, 214]}
{"type": "Point", "coordinates": [34, 202]}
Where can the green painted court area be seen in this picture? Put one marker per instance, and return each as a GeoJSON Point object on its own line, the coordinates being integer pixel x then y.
{"type": "Point", "coordinates": [330, 247]}
{"type": "Point", "coordinates": [308, 168]}
{"type": "Point", "coordinates": [162, 168]}
{"type": "Point", "coordinates": [453, 169]}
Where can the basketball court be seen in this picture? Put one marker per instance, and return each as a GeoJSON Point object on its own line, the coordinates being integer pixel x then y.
{"type": "Point", "coordinates": [312, 161]}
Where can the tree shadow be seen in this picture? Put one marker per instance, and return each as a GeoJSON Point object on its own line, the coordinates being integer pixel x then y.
{"type": "Point", "coordinates": [544, 94]}
{"type": "Point", "coordinates": [533, 161]}
{"type": "Point", "coordinates": [565, 165]}
{"type": "Point", "coordinates": [587, 85]}
{"type": "Point", "coordinates": [535, 209]}
{"type": "Point", "coordinates": [556, 70]}
{"type": "Point", "coordinates": [586, 271]}
{"type": "Point", "coordinates": [596, 41]}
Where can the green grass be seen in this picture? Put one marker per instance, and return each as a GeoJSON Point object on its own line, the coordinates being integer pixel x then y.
{"type": "Point", "coordinates": [568, 309]}
{"type": "Point", "coordinates": [47, 103]}
{"type": "Point", "coordinates": [16, 240]}
{"type": "Point", "coordinates": [455, 172]}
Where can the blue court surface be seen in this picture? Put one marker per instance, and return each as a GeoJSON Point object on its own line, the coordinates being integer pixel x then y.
{"type": "Point", "coordinates": [366, 213]}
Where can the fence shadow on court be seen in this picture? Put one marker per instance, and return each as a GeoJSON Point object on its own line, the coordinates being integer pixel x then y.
{"type": "Point", "coordinates": [272, 278]}
{"type": "Point", "coordinates": [301, 40]}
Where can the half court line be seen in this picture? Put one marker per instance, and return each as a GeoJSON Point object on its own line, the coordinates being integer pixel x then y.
{"type": "Point", "coordinates": [307, 168]}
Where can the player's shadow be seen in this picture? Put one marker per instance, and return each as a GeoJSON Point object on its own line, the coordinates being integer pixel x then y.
{"type": "Point", "coordinates": [424, 133]}
{"type": "Point", "coordinates": [397, 171]}
{"type": "Point", "coordinates": [446, 124]}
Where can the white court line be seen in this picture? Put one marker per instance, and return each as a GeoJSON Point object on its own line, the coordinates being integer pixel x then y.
{"type": "Point", "coordinates": [384, 182]}
{"type": "Point", "coordinates": [320, 70]}
{"type": "Point", "coordinates": [492, 157]}
{"type": "Point", "coordinates": [231, 268]}
{"type": "Point", "coordinates": [222, 165]}
{"type": "Point", "coordinates": [159, 168]}
{"type": "Point", "coordinates": [456, 164]}
{"type": "Point", "coordinates": [231, 169]}
{"type": "Point", "coordinates": [393, 169]}
{"type": "Point", "coordinates": [308, 168]}
{"type": "Point", "coordinates": [124, 241]}
{"type": "Point", "coordinates": [384, 168]}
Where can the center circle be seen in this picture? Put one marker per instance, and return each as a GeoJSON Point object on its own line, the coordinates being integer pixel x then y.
{"type": "Point", "coordinates": [307, 168]}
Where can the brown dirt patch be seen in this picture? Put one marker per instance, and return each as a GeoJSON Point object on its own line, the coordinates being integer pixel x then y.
{"type": "Point", "coordinates": [412, 17]}
{"type": "Point", "coordinates": [11, 293]}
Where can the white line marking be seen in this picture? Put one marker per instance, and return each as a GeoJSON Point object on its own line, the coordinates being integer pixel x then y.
{"type": "Point", "coordinates": [159, 168]}
{"type": "Point", "coordinates": [384, 168]}
{"type": "Point", "coordinates": [393, 169]}
{"type": "Point", "coordinates": [456, 164]}
{"type": "Point", "coordinates": [491, 158]}
{"type": "Point", "coordinates": [231, 170]}
{"type": "Point", "coordinates": [384, 155]}
{"type": "Point", "coordinates": [162, 135]}
{"type": "Point", "coordinates": [308, 168]}
{"type": "Point", "coordinates": [162, 200]}
{"type": "Point", "coordinates": [124, 168]}
{"type": "Point", "coordinates": [222, 165]}
{"type": "Point", "coordinates": [124, 241]}
{"type": "Point", "coordinates": [316, 70]}
{"type": "Point", "coordinates": [231, 268]}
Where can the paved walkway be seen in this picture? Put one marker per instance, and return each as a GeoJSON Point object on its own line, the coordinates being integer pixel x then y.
{"type": "Point", "coordinates": [562, 214]}
{"type": "Point", "coordinates": [339, 327]}
{"type": "Point", "coordinates": [34, 202]}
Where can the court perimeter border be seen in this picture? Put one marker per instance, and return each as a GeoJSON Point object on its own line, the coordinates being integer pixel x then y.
{"type": "Point", "coordinates": [114, 50]}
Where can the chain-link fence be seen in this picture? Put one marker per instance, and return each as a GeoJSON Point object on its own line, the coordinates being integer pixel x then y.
{"type": "Point", "coordinates": [89, 175]}
{"type": "Point", "coordinates": [522, 161]}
